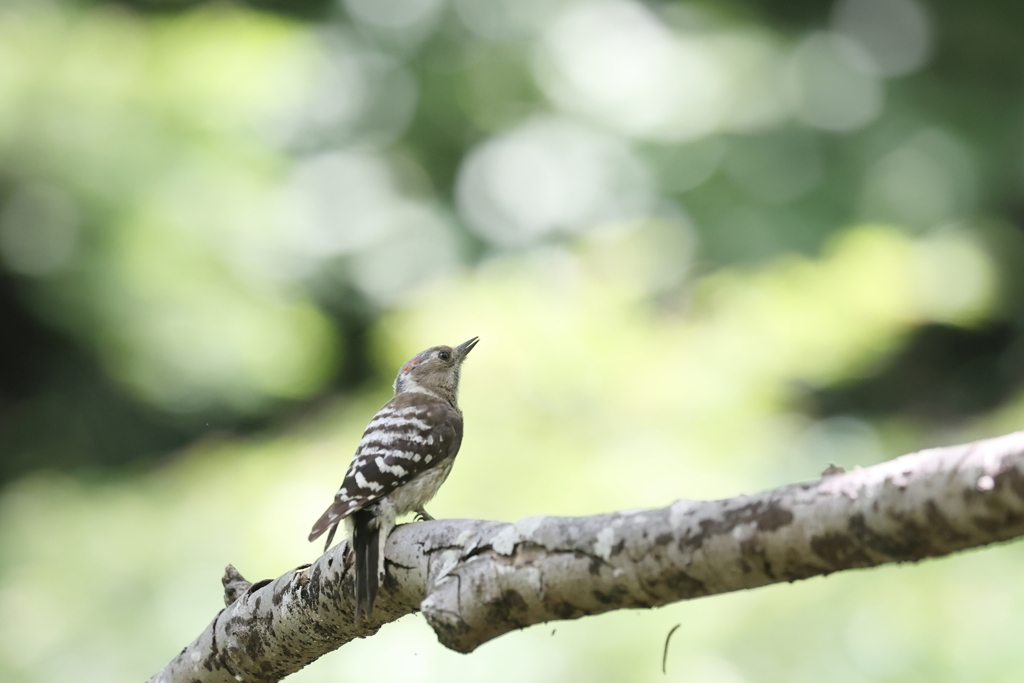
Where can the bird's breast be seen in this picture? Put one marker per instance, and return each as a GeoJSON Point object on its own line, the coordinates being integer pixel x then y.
{"type": "Point", "coordinates": [418, 492]}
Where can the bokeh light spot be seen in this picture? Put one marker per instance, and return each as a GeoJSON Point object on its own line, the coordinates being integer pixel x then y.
{"type": "Point", "coordinates": [616, 62]}
{"type": "Point", "coordinates": [834, 83]}
{"type": "Point", "coordinates": [896, 33]}
{"type": "Point", "coordinates": [549, 176]}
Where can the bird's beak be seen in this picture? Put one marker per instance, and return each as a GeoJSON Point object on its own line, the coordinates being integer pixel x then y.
{"type": "Point", "coordinates": [463, 349]}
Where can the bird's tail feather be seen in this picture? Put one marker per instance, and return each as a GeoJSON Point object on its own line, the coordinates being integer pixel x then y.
{"type": "Point", "coordinates": [328, 520]}
{"type": "Point", "coordinates": [365, 543]}
{"type": "Point", "coordinates": [330, 536]}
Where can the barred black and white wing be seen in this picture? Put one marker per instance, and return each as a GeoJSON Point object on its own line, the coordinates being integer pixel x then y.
{"type": "Point", "coordinates": [410, 440]}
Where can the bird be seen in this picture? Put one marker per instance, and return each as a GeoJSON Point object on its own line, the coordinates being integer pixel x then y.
{"type": "Point", "coordinates": [405, 454]}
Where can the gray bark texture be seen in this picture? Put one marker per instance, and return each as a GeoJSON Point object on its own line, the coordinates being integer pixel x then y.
{"type": "Point", "coordinates": [476, 580]}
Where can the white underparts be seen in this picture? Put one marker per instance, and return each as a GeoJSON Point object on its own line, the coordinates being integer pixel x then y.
{"type": "Point", "coordinates": [418, 492]}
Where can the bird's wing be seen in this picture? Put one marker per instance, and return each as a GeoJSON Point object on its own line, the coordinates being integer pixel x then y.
{"type": "Point", "coordinates": [404, 439]}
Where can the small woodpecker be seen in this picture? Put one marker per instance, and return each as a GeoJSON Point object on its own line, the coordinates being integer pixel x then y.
{"type": "Point", "coordinates": [404, 456]}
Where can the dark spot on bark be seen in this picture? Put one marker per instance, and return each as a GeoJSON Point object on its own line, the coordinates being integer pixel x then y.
{"type": "Point", "coordinates": [906, 542]}
{"type": "Point", "coordinates": [663, 539]}
{"type": "Point", "coordinates": [309, 590]}
{"type": "Point", "coordinates": [766, 515]}
{"type": "Point", "coordinates": [685, 586]}
{"type": "Point", "coordinates": [213, 657]}
{"type": "Point", "coordinates": [562, 610]}
{"type": "Point", "coordinates": [617, 548]}
{"type": "Point", "coordinates": [840, 551]}
{"type": "Point", "coordinates": [754, 557]}
{"type": "Point", "coordinates": [595, 566]}
{"type": "Point", "coordinates": [909, 540]}
{"type": "Point", "coordinates": [510, 608]}
{"type": "Point", "coordinates": [941, 526]}
{"type": "Point", "coordinates": [774, 517]}
{"type": "Point", "coordinates": [1015, 480]}
{"type": "Point", "coordinates": [614, 596]}
{"type": "Point", "coordinates": [994, 526]}
{"type": "Point", "coordinates": [253, 638]}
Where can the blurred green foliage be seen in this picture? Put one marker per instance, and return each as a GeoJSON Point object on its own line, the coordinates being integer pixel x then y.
{"type": "Point", "coordinates": [728, 243]}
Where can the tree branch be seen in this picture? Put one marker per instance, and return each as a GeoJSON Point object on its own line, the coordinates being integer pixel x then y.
{"type": "Point", "coordinates": [476, 580]}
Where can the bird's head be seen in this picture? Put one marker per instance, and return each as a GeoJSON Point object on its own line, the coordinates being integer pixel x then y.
{"type": "Point", "coordinates": [435, 370]}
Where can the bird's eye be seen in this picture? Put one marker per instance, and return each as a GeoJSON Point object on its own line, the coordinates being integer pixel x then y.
{"type": "Point", "coordinates": [444, 355]}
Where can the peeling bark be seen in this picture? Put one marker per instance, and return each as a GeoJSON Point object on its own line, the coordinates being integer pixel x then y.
{"type": "Point", "coordinates": [476, 580]}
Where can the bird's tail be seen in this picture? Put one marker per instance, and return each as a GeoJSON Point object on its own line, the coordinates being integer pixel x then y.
{"type": "Point", "coordinates": [328, 521]}
{"type": "Point", "coordinates": [365, 543]}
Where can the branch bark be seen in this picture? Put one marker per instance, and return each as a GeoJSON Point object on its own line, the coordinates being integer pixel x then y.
{"type": "Point", "coordinates": [476, 580]}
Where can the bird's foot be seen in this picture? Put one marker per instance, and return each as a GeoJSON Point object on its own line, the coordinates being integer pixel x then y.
{"type": "Point", "coordinates": [422, 516]}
